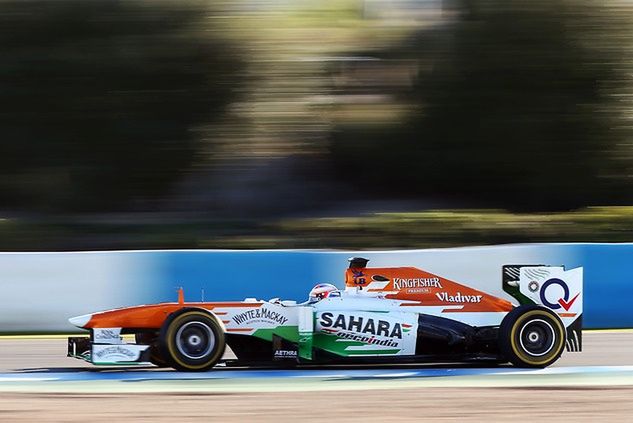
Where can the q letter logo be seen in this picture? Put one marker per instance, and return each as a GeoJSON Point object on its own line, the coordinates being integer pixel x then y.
{"type": "Point", "coordinates": [564, 301]}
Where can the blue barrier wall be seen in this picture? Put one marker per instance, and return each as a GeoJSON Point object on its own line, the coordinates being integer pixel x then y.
{"type": "Point", "coordinates": [39, 291]}
{"type": "Point", "coordinates": [608, 271]}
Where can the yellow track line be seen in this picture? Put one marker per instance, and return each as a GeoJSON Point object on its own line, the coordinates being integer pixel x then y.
{"type": "Point", "coordinates": [36, 336]}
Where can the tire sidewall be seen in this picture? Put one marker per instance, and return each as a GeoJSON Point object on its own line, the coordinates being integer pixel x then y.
{"type": "Point", "coordinates": [510, 329]}
{"type": "Point", "coordinates": [168, 342]}
{"type": "Point", "coordinates": [155, 355]}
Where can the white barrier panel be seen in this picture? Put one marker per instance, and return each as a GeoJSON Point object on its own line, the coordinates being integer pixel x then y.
{"type": "Point", "coordinates": [39, 291]}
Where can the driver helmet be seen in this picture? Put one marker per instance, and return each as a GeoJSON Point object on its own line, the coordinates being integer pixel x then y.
{"type": "Point", "coordinates": [321, 291]}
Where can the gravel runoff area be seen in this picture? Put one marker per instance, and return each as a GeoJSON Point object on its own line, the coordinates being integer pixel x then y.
{"type": "Point", "coordinates": [578, 404]}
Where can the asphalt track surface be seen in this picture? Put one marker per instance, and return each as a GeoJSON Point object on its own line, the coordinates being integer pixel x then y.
{"type": "Point", "coordinates": [38, 382]}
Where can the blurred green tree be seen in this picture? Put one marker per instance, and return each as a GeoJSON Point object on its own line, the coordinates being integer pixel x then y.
{"type": "Point", "coordinates": [100, 100]}
{"type": "Point", "coordinates": [523, 104]}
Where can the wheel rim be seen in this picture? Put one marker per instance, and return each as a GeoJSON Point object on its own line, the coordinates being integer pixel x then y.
{"type": "Point", "coordinates": [537, 337]}
{"type": "Point", "coordinates": [195, 340]}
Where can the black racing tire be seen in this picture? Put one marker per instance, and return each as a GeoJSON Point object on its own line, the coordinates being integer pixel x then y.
{"type": "Point", "coordinates": [191, 340]}
{"type": "Point", "coordinates": [151, 339]}
{"type": "Point", "coordinates": [531, 336]}
{"type": "Point", "coordinates": [156, 358]}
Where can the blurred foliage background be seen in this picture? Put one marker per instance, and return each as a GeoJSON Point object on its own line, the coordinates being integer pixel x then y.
{"type": "Point", "coordinates": [314, 123]}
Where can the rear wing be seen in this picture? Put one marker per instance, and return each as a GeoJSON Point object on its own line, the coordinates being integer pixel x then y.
{"type": "Point", "coordinates": [554, 287]}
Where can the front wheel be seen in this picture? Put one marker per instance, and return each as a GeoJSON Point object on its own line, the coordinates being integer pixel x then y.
{"type": "Point", "coordinates": [151, 339]}
{"type": "Point", "coordinates": [531, 336]}
{"type": "Point", "coordinates": [192, 340]}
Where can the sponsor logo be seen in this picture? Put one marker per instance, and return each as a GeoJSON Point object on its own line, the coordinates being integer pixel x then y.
{"type": "Point", "coordinates": [418, 291]}
{"type": "Point", "coordinates": [564, 301]}
{"type": "Point", "coordinates": [260, 315]}
{"type": "Point", "coordinates": [371, 340]}
{"type": "Point", "coordinates": [285, 354]}
{"type": "Point", "coordinates": [399, 283]}
{"type": "Point", "coordinates": [359, 277]}
{"type": "Point", "coordinates": [362, 325]}
{"type": "Point", "coordinates": [106, 334]}
{"type": "Point", "coordinates": [533, 286]}
{"type": "Point", "coordinates": [458, 298]}
{"type": "Point", "coordinates": [116, 350]}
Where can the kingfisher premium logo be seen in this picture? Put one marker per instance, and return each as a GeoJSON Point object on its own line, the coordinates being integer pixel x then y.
{"type": "Point", "coordinates": [400, 283]}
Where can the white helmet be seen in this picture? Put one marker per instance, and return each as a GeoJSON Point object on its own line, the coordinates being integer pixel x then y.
{"type": "Point", "coordinates": [321, 291]}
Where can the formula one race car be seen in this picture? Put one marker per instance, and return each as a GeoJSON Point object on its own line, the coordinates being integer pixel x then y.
{"type": "Point", "coordinates": [400, 314]}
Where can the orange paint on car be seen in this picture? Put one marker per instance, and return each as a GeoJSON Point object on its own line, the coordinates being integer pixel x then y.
{"type": "Point", "coordinates": [152, 316]}
{"type": "Point", "coordinates": [425, 288]}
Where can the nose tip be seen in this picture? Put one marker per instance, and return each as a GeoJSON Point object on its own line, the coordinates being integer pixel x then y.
{"type": "Point", "coordinates": [80, 321]}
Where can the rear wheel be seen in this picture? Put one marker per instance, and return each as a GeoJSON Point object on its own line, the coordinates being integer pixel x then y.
{"type": "Point", "coordinates": [531, 336]}
{"type": "Point", "coordinates": [192, 340]}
